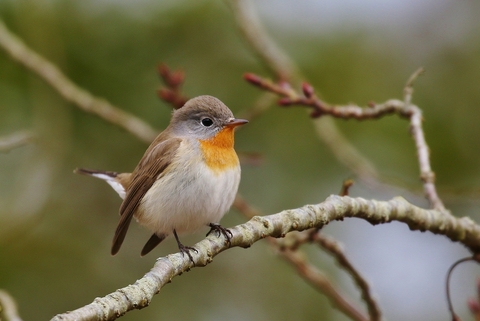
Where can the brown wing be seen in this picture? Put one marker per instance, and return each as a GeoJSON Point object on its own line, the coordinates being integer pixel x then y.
{"type": "Point", "coordinates": [157, 157]}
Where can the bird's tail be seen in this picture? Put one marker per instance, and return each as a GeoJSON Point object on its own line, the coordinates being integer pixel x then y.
{"type": "Point", "coordinates": [112, 178]}
{"type": "Point", "coordinates": [96, 173]}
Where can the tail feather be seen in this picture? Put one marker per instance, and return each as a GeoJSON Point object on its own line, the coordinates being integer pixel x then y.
{"type": "Point", "coordinates": [109, 177]}
{"type": "Point", "coordinates": [95, 173]}
{"type": "Point", "coordinates": [151, 243]}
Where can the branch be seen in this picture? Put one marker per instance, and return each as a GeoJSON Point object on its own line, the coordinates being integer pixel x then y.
{"type": "Point", "coordinates": [140, 294]}
{"type": "Point", "coordinates": [423, 152]}
{"type": "Point", "coordinates": [336, 251]}
{"type": "Point", "coordinates": [8, 307]}
{"type": "Point", "coordinates": [321, 282]}
{"type": "Point", "coordinates": [262, 45]}
{"type": "Point", "coordinates": [404, 109]}
{"type": "Point", "coordinates": [12, 141]}
{"type": "Point", "coordinates": [51, 74]}
{"type": "Point", "coordinates": [305, 269]}
{"type": "Point", "coordinates": [280, 65]}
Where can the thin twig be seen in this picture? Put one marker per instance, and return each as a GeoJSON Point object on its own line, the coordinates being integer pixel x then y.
{"type": "Point", "coordinates": [319, 108]}
{"type": "Point", "coordinates": [8, 307]}
{"type": "Point", "coordinates": [346, 187]}
{"type": "Point", "coordinates": [447, 285]}
{"type": "Point", "coordinates": [408, 89]}
{"type": "Point", "coordinates": [345, 152]}
{"type": "Point", "coordinates": [336, 251]}
{"type": "Point", "coordinates": [81, 98]}
{"type": "Point", "coordinates": [423, 152]}
{"type": "Point", "coordinates": [321, 282]}
{"type": "Point", "coordinates": [17, 139]}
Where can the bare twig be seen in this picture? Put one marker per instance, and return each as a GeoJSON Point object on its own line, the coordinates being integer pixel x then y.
{"type": "Point", "coordinates": [447, 285]}
{"type": "Point", "coordinates": [284, 69]}
{"type": "Point", "coordinates": [140, 294]}
{"type": "Point", "coordinates": [335, 249]}
{"type": "Point", "coordinates": [346, 187]}
{"type": "Point", "coordinates": [321, 282]}
{"type": "Point", "coordinates": [345, 152]}
{"type": "Point", "coordinates": [37, 64]}
{"type": "Point", "coordinates": [8, 307]}
{"type": "Point", "coordinates": [408, 90]}
{"type": "Point", "coordinates": [423, 152]}
{"type": "Point", "coordinates": [319, 108]}
{"type": "Point", "coordinates": [17, 139]}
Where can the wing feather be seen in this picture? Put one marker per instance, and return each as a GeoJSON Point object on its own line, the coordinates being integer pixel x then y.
{"type": "Point", "coordinates": [156, 159]}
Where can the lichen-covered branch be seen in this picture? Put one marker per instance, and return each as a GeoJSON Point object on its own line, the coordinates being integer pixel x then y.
{"type": "Point", "coordinates": [140, 294]}
{"type": "Point", "coordinates": [81, 98]}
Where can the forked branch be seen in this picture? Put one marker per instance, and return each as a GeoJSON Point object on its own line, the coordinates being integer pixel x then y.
{"type": "Point", "coordinates": [404, 109]}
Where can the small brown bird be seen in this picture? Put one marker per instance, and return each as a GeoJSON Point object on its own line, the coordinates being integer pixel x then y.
{"type": "Point", "coordinates": [187, 178]}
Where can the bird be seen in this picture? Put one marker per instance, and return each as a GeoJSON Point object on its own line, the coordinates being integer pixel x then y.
{"type": "Point", "coordinates": [187, 178]}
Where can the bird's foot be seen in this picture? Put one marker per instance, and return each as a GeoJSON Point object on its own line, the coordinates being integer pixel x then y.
{"type": "Point", "coordinates": [221, 231]}
{"type": "Point", "coordinates": [185, 249]}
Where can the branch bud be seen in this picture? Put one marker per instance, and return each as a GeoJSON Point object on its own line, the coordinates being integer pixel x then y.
{"type": "Point", "coordinates": [285, 101]}
{"type": "Point", "coordinates": [316, 113]}
{"type": "Point", "coordinates": [166, 94]}
{"type": "Point", "coordinates": [307, 89]}
{"type": "Point", "coordinates": [163, 70]}
{"type": "Point", "coordinates": [252, 78]}
{"type": "Point", "coordinates": [176, 78]}
{"type": "Point", "coordinates": [473, 306]}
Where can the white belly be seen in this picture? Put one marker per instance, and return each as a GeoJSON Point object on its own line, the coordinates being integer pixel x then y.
{"type": "Point", "coordinates": [189, 197]}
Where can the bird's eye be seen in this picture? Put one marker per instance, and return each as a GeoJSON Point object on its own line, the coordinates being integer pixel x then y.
{"type": "Point", "coordinates": [207, 122]}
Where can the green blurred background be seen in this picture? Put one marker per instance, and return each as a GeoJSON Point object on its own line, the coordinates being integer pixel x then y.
{"type": "Point", "coordinates": [56, 227]}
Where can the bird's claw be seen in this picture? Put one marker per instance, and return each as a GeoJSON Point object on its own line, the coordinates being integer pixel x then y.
{"type": "Point", "coordinates": [221, 231]}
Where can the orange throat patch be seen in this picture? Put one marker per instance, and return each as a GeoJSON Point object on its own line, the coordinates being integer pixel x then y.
{"type": "Point", "coordinates": [218, 151]}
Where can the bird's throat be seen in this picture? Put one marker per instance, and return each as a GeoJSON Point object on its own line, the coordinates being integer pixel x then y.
{"type": "Point", "coordinates": [218, 151]}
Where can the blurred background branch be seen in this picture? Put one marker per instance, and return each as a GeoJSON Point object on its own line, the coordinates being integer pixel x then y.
{"type": "Point", "coordinates": [81, 98]}
{"type": "Point", "coordinates": [309, 272]}
{"type": "Point", "coordinates": [17, 139]}
{"type": "Point", "coordinates": [285, 71]}
{"type": "Point", "coordinates": [8, 307]}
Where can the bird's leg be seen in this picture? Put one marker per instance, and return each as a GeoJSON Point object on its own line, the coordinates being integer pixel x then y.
{"type": "Point", "coordinates": [184, 249]}
{"type": "Point", "coordinates": [221, 230]}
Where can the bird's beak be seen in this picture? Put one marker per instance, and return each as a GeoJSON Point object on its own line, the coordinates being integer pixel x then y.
{"type": "Point", "coordinates": [234, 122]}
